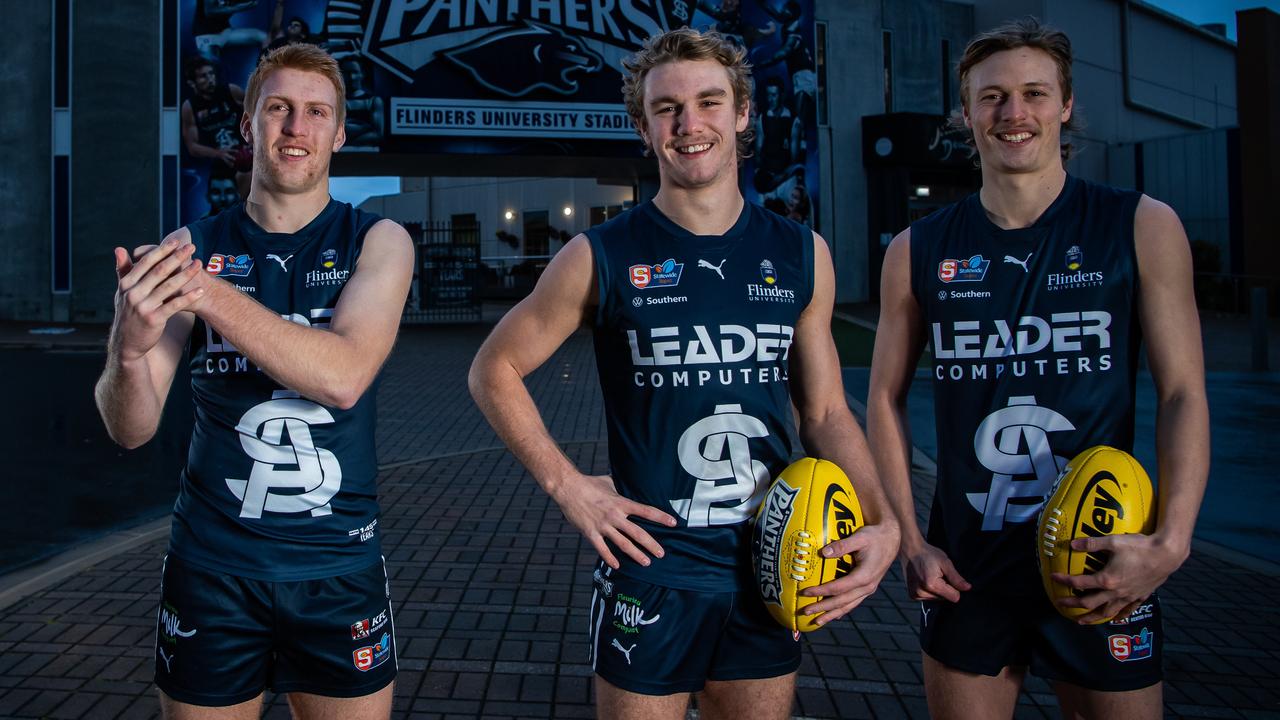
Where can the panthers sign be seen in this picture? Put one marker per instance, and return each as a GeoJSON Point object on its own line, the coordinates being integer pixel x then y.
{"type": "Point", "coordinates": [500, 77]}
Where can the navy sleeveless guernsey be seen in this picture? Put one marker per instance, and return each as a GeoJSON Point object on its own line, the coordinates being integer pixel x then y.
{"type": "Point", "coordinates": [1035, 350]}
{"type": "Point", "coordinates": [692, 340]}
{"type": "Point", "coordinates": [276, 487]}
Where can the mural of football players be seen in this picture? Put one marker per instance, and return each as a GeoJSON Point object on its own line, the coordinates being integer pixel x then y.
{"type": "Point", "coordinates": [728, 17]}
{"type": "Point", "coordinates": [799, 207]}
{"type": "Point", "coordinates": [364, 109]}
{"type": "Point", "coordinates": [213, 31]}
{"type": "Point", "coordinates": [795, 53]}
{"type": "Point", "coordinates": [779, 139]}
{"type": "Point", "coordinates": [211, 123]}
{"type": "Point", "coordinates": [221, 195]}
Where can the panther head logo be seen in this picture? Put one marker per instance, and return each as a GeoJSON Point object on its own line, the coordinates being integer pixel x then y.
{"type": "Point", "coordinates": [516, 61]}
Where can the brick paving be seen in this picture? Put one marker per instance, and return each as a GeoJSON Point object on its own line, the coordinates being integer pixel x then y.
{"type": "Point", "coordinates": [491, 587]}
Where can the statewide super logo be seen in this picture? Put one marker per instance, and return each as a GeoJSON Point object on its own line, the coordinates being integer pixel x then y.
{"type": "Point", "coordinates": [1074, 257]}
{"type": "Point", "coordinates": [371, 656]}
{"type": "Point", "coordinates": [664, 274]}
{"type": "Point", "coordinates": [1127, 648]}
{"type": "Point", "coordinates": [973, 269]}
{"type": "Point", "coordinates": [229, 265]}
{"type": "Point", "coordinates": [767, 273]}
{"type": "Point", "coordinates": [970, 270]}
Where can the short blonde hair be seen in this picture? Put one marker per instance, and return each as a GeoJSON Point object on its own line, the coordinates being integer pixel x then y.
{"type": "Point", "coordinates": [297, 56]}
{"type": "Point", "coordinates": [689, 44]}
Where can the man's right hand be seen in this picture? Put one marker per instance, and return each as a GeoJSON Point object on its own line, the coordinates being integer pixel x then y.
{"type": "Point", "coordinates": [931, 575]}
{"type": "Point", "coordinates": [148, 293]}
{"type": "Point", "coordinates": [593, 505]}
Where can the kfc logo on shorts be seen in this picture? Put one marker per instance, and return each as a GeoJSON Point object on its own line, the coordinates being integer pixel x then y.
{"type": "Point", "coordinates": [371, 656]}
{"type": "Point", "coordinates": [1126, 648]}
{"type": "Point", "coordinates": [360, 630]}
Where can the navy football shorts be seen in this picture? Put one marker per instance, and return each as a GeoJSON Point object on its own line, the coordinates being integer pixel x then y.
{"type": "Point", "coordinates": [223, 639]}
{"type": "Point", "coordinates": [985, 632]}
{"type": "Point", "coordinates": [657, 640]}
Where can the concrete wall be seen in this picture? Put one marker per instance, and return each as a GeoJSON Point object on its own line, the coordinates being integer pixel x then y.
{"type": "Point", "coordinates": [26, 136]}
{"type": "Point", "coordinates": [115, 136]}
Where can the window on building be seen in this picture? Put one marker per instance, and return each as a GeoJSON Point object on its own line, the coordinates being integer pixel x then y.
{"type": "Point", "coordinates": [463, 229]}
{"type": "Point", "coordinates": [888, 71]}
{"type": "Point", "coordinates": [537, 231]}
{"type": "Point", "coordinates": [601, 213]}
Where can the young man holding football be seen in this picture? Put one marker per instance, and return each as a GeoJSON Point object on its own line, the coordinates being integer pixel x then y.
{"type": "Point", "coordinates": [711, 316]}
{"type": "Point", "coordinates": [274, 577]}
{"type": "Point", "coordinates": [1035, 293]}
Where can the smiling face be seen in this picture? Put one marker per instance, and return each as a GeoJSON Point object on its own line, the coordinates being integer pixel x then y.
{"type": "Point", "coordinates": [294, 130]}
{"type": "Point", "coordinates": [691, 123]}
{"type": "Point", "coordinates": [1015, 108]}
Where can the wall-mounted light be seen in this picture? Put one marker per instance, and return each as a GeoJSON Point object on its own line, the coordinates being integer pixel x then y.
{"type": "Point", "coordinates": [509, 215]}
{"type": "Point", "coordinates": [568, 211]}
{"type": "Point", "coordinates": [922, 191]}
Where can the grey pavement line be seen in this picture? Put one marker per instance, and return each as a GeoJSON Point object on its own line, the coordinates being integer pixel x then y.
{"type": "Point", "coordinates": [1235, 557]}
{"type": "Point", "coordinates": [855, 320]}
{"type": "Point", "coordinates": [29, 581]}
{"type": "Point", "coordinates": [919, 461]}
{"type": "Point", "coordinates": [460, 453]}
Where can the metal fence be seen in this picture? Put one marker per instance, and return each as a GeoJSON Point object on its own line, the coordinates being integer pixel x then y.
{"type": "Point", "coordinates": [447, 278]}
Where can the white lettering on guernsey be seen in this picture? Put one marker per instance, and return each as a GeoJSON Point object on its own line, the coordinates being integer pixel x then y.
{"type": "Point", "coordinates": [262, 435]}
{"type": "Point", "coordinates": [696, 345]}
{"type": "Point", "coordinates": [1082, 334]}
{"type": "Point", "coordinates": [215, 344]}
{"type": "Point", "coordinates": [997, 442]}
{"type": "Point", "coordinates": [713, 450]}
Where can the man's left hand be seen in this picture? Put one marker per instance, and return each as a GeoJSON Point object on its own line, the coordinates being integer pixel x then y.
{"type": "Point", "coordinates": [874, 548]}
{"type": "Point", "coordinates": [1138, 565]}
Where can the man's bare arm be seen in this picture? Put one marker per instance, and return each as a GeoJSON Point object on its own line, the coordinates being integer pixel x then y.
{"type": "Point", "coordinates": [148, 333]}
{"type": "Point", "coordinates": [1166, 304]}
{"type": "Point", "coordinates": [929, 573]}
{"type": "Point", "coordinates": [332, 366]}
{"type": "Point", "coordinates": [521, 343]}
{"type": "Point", "coordinates": [829, 431]}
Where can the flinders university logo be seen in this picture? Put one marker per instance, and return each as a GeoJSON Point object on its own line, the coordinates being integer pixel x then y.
{"type": "Point", "coordinates": [767, 273]}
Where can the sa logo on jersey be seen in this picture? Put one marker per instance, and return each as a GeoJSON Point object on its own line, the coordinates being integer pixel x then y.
{"type": "Point", "coordinates": [973, 269]}
{"type": "Point", "coordinates": [664, 274]}
{"type": "Point", "coordinates": [371, 656]}
{"type": "Point", "coordinates": [1127, 648]}
{"type": "Point", "coordinates": [229, 265]}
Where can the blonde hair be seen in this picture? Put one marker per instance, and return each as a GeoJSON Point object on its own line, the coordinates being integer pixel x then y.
{"type": "Point", "coordinates": [688, 44]}
{"type": "Point", "coordinates": [297, 56]}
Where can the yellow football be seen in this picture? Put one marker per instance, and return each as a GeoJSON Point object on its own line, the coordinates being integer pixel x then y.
{"type": "Point", "coordinates": [1102, 491]}
{"type": "Point", "coordinates": [809, 505]}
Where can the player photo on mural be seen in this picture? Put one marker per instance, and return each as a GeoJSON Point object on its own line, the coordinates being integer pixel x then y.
{"type": "Point", "coordinates": [488, 78]}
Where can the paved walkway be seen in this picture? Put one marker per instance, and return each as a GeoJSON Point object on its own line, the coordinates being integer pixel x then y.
{"type": "Point", "coordinates": [492, 586]}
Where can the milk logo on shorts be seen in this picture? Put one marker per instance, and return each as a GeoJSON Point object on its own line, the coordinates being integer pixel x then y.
{"type": "Point", "coordinates": [997, 442]}
{"type": "Point", "coordinates": [628, 615]}
{"type": "Point", "coordinates": [665, 274]}
{"type": "Point", "coordinates": [712, 450]}
{"type": "Point", "coordinates": [317, 476]}
{"type": "Point", "coordinates": [1127, 648]}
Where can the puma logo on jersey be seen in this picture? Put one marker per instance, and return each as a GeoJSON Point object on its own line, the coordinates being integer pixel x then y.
{"type": "Point", "coordinates": [626, 651]}
{"type": "Point", "coordinates": [282, 261]}
{"type": "Point", "coordinates": [1007, 258]}
{"type": "Point", "coordinates": [709, 266]}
